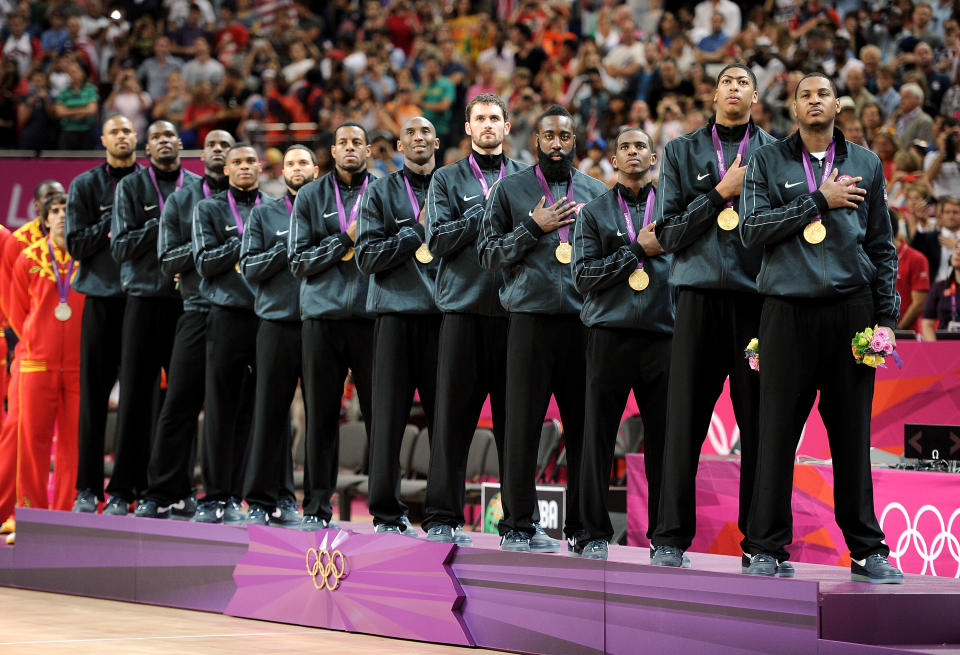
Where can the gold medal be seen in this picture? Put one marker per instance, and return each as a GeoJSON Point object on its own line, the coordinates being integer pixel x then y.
{"type": "Point", "coordinates": [728, 219]}
{"type": "Point", "coordinates": [424, 256]}
{"type": "Point", "coordinates": [564, 252]}
{"type": "Point", "coordinates": [638, 280]}
{"type": "Point", "coordinates": [347, 256]}
{"type": "Point", "coordinates": [815, 232]}
{"type": "Point", "coordinates": [236, 267]}
{"type": "Point", "coordinates": [62, 312]}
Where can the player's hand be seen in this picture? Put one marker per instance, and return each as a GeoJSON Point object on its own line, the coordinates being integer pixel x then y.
{"type": "Point", "coordinates": [555, 216]}
{"type": "Point", "coordinates": [844, 193]}
{"type": "Point", "coordinates": [648, 241]}
{"type": "Point", "coordinates": [729, 186]}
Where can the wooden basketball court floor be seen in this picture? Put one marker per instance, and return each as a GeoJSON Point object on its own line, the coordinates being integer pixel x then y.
{"type": "Point", "coordinates": [41, 623]}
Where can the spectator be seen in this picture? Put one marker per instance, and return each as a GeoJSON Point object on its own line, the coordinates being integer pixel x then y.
{"type": "Point", "coordinates": [852, 130]}
{"type": "Point", "coordinates": [200, 116]}
{"type": "Point", "coordinates": [174, 102]}
{"type": "Point", "coordinates": [363, 108]}
{"type": "Point", "coordinates": [94, 22]}
{"type": "Point", "coordinates": [9, 90]}
{"type": "Point", "coordinates": [625, 62]}
{"type": "Point", "coordinates": [597, 156]}
{"type": "Point", "coordinates": [942, 165]}
{"type": "Point", "coordinates": [128, 99]}
{"type": "Point", "coordinates": [711, 47]}
{"type": "Point", "coordinates": [301, 60]}
{"type": "Point", "coordinates": [886, 145]}
{"type": "Point", "coordinates": [435, 96]}
{"type": "Point", "coordinates": [809, 16]}
{"type": "Point", "coordinates": [231, 27]}
{"type": "Point", "coordinates": [77, 108]}
{"type": "Point", "coordinates": [383, 157]}
{"type": "Point", "coordinates": [183, 39]}
{"type": "Point", "coordinates": [54, 38]}
{"type": "Point", "coordinates": [872, 118]}
{"type": "Point", "coordinates": [155, 71]}
{"type": "Point", "coordinates": [178, 10]}
{"type": "Point", "coordinates": [593, 107]}
{"type": "Point", "coordinates": [35, 115]}
{"type": "Point", "coordinates": [917, 214]}
{"type": "Point", "coordinates": [940, 243]}
{"type": "Point", "coordinates": [887, 95]}
{"type": "Point", "coordinates": [906, 172]}
{"type": "Point", "coordinates": [231, 96]}
{"type": "Point", "coordinates": [856, 85]}
{"type": "Point", "coordinates": [486, 82]}
{"type": "Point", "coordinates": [403, 24]}
{"type": "Point", "coordinates": [912, 122]}
{"type": "Point", "coordinates": [20, 46]}
{"type": "Point", "coordinates": [871, 58]}
{"type": "Point", "coordinates": [937, 82]}
{"type": "Point", "coordinates": [528, 54]}
{"type": "Point", "coordinates": [202, 68]}
{"type": "Point", "coordinates": [940, 311]}
{"type": "Point", "coordinates": [913, 278]}
{"type": "Point", "coordinates": [379, 80]}
{"type": "Point", "coordinates": [668, 81]}
{"type": "Point", "coordinates": [82, 46]}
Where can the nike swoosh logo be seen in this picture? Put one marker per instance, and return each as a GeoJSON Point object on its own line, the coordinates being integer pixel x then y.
{"type": "Point", "coordinates": [787, 185]}
{"type": "Point", "coordinates": [280, 234]}
{"type": "Point", "coordinates": [404, 220]}
{"type": "Point", "coordinates": [328, 214]}
{"type": "Point", "coordinates": [619, 233]}
{"type": "Point", "coordinates": [469, 198]}
{"type": "Point", "coordinates": [104, 208]}
{"type": "Point", "coordinates": [700, 177]}
{"type": "Point", "coordinates": [531, 213]}
{"type": "Point", "coordinates": [147, 208]}
{"type": "Point", "coordinates": [231, 227]}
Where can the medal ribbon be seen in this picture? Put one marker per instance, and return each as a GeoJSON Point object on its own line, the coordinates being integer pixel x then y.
{"type": "Point", "coordinates": [288, 203]}
{"type": "Point", "coordinates": [812, 184]}
{"type": "Point", "coordinates": [153, 178]}
{"type": "Point", "coordinates": [236, 212]}
{"type": "Point", "coordinates": [342, 213]}
{"type": "Point", "coordinates": [479, 174]}
{"type": "Point", "coordinates": [63, 285]}
{"type": "Point", "coordinates": [206, 189]}
{"type": "Point", "coordinates": [562, 232]}
{"type": "Point", "coordinates": [718, 149]}
{"type": "Point", "coordinates": [113, 180]}
{"type": "Point", "coordinates": [647, 215]}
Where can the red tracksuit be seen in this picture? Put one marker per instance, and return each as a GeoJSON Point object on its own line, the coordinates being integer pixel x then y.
{"type": "Point", "coordinates": [11, 245]}
{"type": "Point", "coordinates": [49, 372]}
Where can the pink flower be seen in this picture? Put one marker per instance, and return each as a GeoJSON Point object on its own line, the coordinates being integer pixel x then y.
{"type": "Point", "coordinates": [888, 348]}
{"type": "Point", "coordinates": [754, 364]}
{"type": "Point", "coordinates": [878, 343]}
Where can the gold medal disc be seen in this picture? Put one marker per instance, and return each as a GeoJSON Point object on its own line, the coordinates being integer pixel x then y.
{"type": "Point", "coordinates": [236, 267]}
{"type": "Point", "coordinates": [347, 256]}
{"type": "Point", "coordinates": [815, 232]}
{"type": "Point", "coordinates": [728, 219]}
{"type": "Point", "coordinates": [639, 280]}
{"type": "Point", "coordinates": [62, 312]}
{"type": "Point", "coordinates": [564, 252]}
{"type": "Point", "coordinates": [424, 256]}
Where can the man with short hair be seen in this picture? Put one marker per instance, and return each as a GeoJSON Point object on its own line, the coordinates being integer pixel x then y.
{"type": "Point", "coordinates": [153, 72]}
{"type": "Point", "coordinates": [89, 215]}
{"type": "Point", "coordinates": [525, 232]}
{"type": "Point", "coordinates": [913, 123]}
{"type": "Point", "coordinates": [391, 247]}
{"type": "Point", "coordinates": [817, 206]}
{"type": "Point", "coordinates": [152, 310]}
{"type": "Point", "coordinates": [628, 310]}
{"type": "Point", "coordinates": [268, 484]}
{"type": "Point", "coordinates": [170, 469]}
{"type": "Point", "coordinates": [473, 334]}
{"type": "Point", "coordinates": [913, 278]}
{"type": "Point", "coordinates": [717, 304]}
{"type": "Point", "coordinates": [218, 224]}
{"type": "Point", "coordinates": [203, 67]}
{"type": "Point", "coordinates": [337, 328]}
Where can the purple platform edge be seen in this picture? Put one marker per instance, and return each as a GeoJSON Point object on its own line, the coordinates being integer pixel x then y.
{"type": "Point", "coordinates": [520, 602]}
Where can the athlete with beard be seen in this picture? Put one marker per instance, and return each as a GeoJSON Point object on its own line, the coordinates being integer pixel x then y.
{"type": "Point", "coordinates": [391, 247]}
{"type": "Point", "coordinates": [337, 327]}
{"type": "Point", "coordinates": [525, 232]}
{"type": "Point", "coordinates": [718, 308]}
{"type": "Point", "coordinates": [89, 215]}
{"type": "Point", "coordinates": [170, 471]}
{"type": "Point", "coordinates": [817, 205]}
{"type": "Point", "coordinates": [268, 487]}
{"type": "Point", "coordinates": [473, 334]}
{"type": "Point", "coordinates": [153, 308]}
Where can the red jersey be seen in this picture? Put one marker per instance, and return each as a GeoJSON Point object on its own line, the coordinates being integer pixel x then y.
{"type": "Point", "coordinates": [46, 342]}
{"type": "Point", "coordinates": [913, 274]}
{"type": "Point", "coordinates": [23, 236]}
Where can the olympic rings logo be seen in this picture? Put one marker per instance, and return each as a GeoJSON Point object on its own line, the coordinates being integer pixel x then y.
{"type": "Point", "coordinates": [326, 568]}
{"type": "Point", "coordinates": [911, 536]}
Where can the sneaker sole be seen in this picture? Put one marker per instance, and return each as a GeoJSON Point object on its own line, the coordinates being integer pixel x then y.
{"type": "Point", "coordinates": [856, 577]}
{"type": "Point", "coordinates": [594, 556]}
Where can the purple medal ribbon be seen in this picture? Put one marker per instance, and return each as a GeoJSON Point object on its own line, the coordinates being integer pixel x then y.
{"type": "Point", "coordinates": [647, 215]}
{"type": "Point", "coordinates": [413, 198]}
{"type": "Point", "coordinates": [827, 167]}
{"type": "Point", "coordinates": [206, 189]}
{"type": "Point", "coordinates": [63, 285]}
{"type": "Point", "coordinates": [342, 213]}
{"type": "Point", "coordinates": [288, 203]}
{"type": "Point", "coordinates": [479, 174]}
{"type": "Point", "coordinates": [562, 232]}
{"type": "Point", "coordinates": [718, 149]}
{"type": "Point", "coordinates": [236, 211]}
{"type": "Point", "coordinates": [153, 178]}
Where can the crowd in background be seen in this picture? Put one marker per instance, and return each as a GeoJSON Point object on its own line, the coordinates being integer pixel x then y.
{"type": "Point", "coordinates": [275, 71]}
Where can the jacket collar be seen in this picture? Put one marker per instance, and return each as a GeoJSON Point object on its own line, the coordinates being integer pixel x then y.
{"type": "Point", "coordinates": [628, 195]}
{"type": "Point", "coordinates": [731, 134]}
{"type": "Point", "coordinates": [247, 197]}
{"type": "Point", "coordinates": [796, 144]}
{"type": "Point", "coordinates": [417, 180]}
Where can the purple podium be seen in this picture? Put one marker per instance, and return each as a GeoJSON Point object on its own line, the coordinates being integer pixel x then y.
{"type": "Point", "coordinates": [389, 585]}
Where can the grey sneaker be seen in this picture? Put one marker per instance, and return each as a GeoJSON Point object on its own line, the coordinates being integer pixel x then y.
{"type": "Point", "coordinates": [515, 541]}
{"type": "Point", "coordinates": [257, 515]}
{"type": "Point", "coordinates": [541, 542]}
{"type": "Point", "coordinates": [595, 549]}
{"type": "Point", "coordinates": [183, 510]}
{"type": "Point", "coordinates": [233, 512]}
{"type": "Point", "coordinates": [386, 528]}
{"type": "Point", "coordinates": [311, 523]}
{"type": "Point", "coordinates": [460, 537]}
{"type": "Point", "coordinates": [287, 514]}
{"type": "Point", "coordinates": [766, 564]}
{"type": "Point", "coordinates": [685, 562]}
{"type": "Point", "coordinates": [148, 509]}
{"type": "Point", "coordinates": [208, 511]}
{"type": "Point", "coordinates": [440, 533]}
{"type": "Point", "coordinates": [85, 503]}
{"type": "Point", "coordinates": [875, 569]}
{"type": "Point", "coordinates": [669, 556]}
{"type": "Point", "coordinates": [408, 528]}
{"type": "Point", "coordinates": [116, 506]}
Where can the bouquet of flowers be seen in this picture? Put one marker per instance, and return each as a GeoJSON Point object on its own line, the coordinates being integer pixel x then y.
{"type": "Point", "coordinates": [752, 353]}
{"type": "Point", "coordinates": [871, 346]}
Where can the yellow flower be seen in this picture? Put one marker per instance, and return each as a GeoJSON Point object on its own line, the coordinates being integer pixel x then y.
{"type": "Point", "coordinates": [862, 341]}
{"type": "Point", "coordinates": [754, 344]}
{"type": "Point", "coordinates": [872, 360]}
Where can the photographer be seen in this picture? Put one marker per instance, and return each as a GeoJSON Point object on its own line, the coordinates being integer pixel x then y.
{"type": "Point", "coordinates": [940, 166]}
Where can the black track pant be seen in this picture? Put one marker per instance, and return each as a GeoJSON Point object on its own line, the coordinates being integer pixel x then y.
{"type": "Point", "coordinates": [711, 331]}
{"type": "Point", "coordinates": [471, 363]}
{"type": "Point", "coordinates": [229, 392]}
{"type": "Point", "coordinates": [330, 349]}
{"type": "Point", "coordinates": [170, 472]}
{"type": "Point", "coordinates": [149, 325]}
{"type": "Point", "coordinates": [404, 360]}
{"type": "Point", "coordinates": [269, 474]}
{"type": "Point", "coordinates": [545, 355]}
{"type": "Point", "coordinates": [619, 360]}
{"type": "Point", "coordinates": [100, 338]}
{"type": "Point", "coordinates": [805, 347]}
